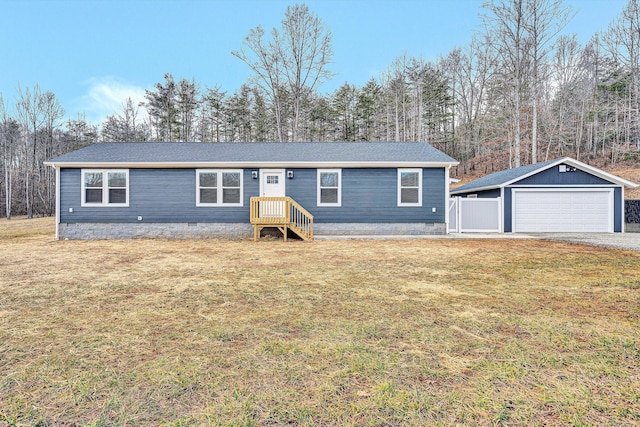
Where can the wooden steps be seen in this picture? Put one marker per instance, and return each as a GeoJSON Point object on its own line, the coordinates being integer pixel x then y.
{"type": "Point", "coordinates": [282, 213]}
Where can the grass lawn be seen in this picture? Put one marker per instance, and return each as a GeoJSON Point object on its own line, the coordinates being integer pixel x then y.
{"type": "Point", "coordinates": [344, 333]}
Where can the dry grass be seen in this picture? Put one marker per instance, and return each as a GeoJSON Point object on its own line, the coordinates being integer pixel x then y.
{"type": "Point", "coordinates": [631, 174]}
{"type": "Point", "coordinates": [367, 333]}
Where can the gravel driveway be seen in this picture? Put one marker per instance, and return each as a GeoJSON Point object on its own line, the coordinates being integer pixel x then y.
{"type": "Point", "coordinates": [629, 241]}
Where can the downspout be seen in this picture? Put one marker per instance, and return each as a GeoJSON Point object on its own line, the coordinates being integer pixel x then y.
{"type": "Point", "coordinates": [502, 213]}
{"type": "Point", "coordinates": [623, 224]}
{"type": "Point", "coordinates": [447, 196]}
{"type": "Point", "coordinates": [57, 203]}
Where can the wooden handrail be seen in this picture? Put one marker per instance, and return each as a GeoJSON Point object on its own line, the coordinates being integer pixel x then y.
{"type": "Point", "coordinates": [281, 212]}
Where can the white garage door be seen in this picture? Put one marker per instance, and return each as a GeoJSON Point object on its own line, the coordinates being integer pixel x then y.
{"type": "Point", "coordinates": [538, 211]}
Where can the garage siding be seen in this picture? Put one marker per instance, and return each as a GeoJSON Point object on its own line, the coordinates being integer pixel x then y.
{"type": "Point", "coordinates": [618, 210]}
{"type": "Point", "coordinates": [553, 176]}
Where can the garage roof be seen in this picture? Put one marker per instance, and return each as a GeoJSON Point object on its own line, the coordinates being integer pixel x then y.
{"type": "Point", "coordinates": [506, 177]}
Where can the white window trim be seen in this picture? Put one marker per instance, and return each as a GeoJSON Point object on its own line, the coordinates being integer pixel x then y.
{"type": "Point", "coordinates": [105, 189]}
{"type": "Point", "coordinates": [319, 202]}
{"type": "Point", "coordinates": [219, 188]}
{"type": "Point", "coordinates": [419, 171]}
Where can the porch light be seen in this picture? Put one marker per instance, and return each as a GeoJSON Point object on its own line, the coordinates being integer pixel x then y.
{"type": "Point", "coordinates": [254, 174]}
{"type": "Point", "coordinates": [290, 174]}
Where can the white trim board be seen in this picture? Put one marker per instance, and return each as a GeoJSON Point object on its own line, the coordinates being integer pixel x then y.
{"type": "Point", "coordinates": [246, 165]}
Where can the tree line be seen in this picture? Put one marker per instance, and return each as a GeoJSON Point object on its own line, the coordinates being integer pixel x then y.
{"type": "Point", "coordinates": [521, 91]}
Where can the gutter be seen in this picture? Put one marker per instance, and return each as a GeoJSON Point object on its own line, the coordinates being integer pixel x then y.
{"type": "Point", "coordinates": [254, 164]}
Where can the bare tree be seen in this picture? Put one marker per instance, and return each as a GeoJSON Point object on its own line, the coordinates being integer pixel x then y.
{"type": "Point", "coordinates": [294, 61]}
{"type": "Point", "coordinates": [472, 69]}
{"type": "Point", "coordinates": [546, 18]}
{"type": "Point", "coordinates": [397, 88]}
{"type": "Point", "coordinates": [565, 116]}
{"type": "Point", "coordinates": [622, 42]}
{"type": "Point", "coordinates": [52, 112]}
{"type": "Point", "coordinates": [31, 111]}
{"type": "Point", "coordinates": [263, 59]}
{"type": "Point", "coordinates": [506, 21]}
{"type": "Point", "coordinates": [9, 135]}
{"type": "Point", "coordinates": [306, 49]}
{"type": "Point", "coordinates": [133, 130]}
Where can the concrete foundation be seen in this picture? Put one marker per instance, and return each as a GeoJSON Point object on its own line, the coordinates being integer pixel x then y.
{"type": "Point", "coordinates": [191, 230]}
{"type": "Point", "coordinates": [389, 229]}
{"type": "Point", "coordinates": [98, 231]}
{"type": "Point", "coordinates": [632, 227]}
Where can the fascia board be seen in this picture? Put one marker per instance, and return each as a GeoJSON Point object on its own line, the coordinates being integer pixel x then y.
{"type": "Point", "coordinates": [506, 183]}
{"type": "Point", "coordinates": [599, 173]}
{"type": "Point", "coordinates": [257, 165]}
{"type": "Point", "coordinates": [475, 190]}
{"type": "Point", "coordinates": [582, 166]}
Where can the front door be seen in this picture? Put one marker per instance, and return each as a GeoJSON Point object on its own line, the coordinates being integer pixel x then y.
{"type": "Point", "coordinates": [272, 184]}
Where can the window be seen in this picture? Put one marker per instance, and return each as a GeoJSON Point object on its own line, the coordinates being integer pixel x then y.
{"type": "Point", "coordinates": [329, 187]}
{"type": "Point", "coordinates": [218, 187]}
{"type": "Point", "coordinates": [105, 187]}
{"type": "Point", "coordinates": [409, 187]}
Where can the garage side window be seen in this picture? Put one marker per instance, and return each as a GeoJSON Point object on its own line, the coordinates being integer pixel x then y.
{"type": "Point", "coordinates": [218, 187]}
{"type": "Point", "coordinates": [104, 188]}
{"type": "Point", "coordinates": [409, 187]}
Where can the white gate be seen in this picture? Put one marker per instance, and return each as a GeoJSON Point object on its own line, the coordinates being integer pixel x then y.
{"type": "Point", "coordinates": [453, 215]}
{"type": "Point", "coordinates": [468, 215]}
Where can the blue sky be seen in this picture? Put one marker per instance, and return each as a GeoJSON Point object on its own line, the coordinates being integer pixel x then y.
{"type": "Point", "coordinates": [93, 54]}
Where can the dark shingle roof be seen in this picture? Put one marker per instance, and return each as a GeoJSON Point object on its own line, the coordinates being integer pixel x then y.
{"type": "Point", "coordinates": [253, 153]}
{"type": "Point", "coordinates": [498, 179]}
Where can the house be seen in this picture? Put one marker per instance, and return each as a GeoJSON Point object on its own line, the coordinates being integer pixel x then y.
{"type": "Point", "coordinates": [126, 190]}
{"type": "Point", "coordinates": [562, 195]}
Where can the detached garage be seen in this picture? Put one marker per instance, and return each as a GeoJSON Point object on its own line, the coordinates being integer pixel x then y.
{"type": "Point", "coordinates": [562, 195]}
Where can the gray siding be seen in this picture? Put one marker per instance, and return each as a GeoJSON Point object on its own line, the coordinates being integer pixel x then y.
{"type": "Point", "coordinates": [158, 195]}
{"type": "Point", "coordinates": [618, 209]}
{"type": "Point", "coordinates": [169, 196]}
{"type": "Point", "coordinates": [371, 195]}
{"type": "Point", "coordinates": [506, 203]}
{"type": "Point", "coordinates": [552, 176]}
